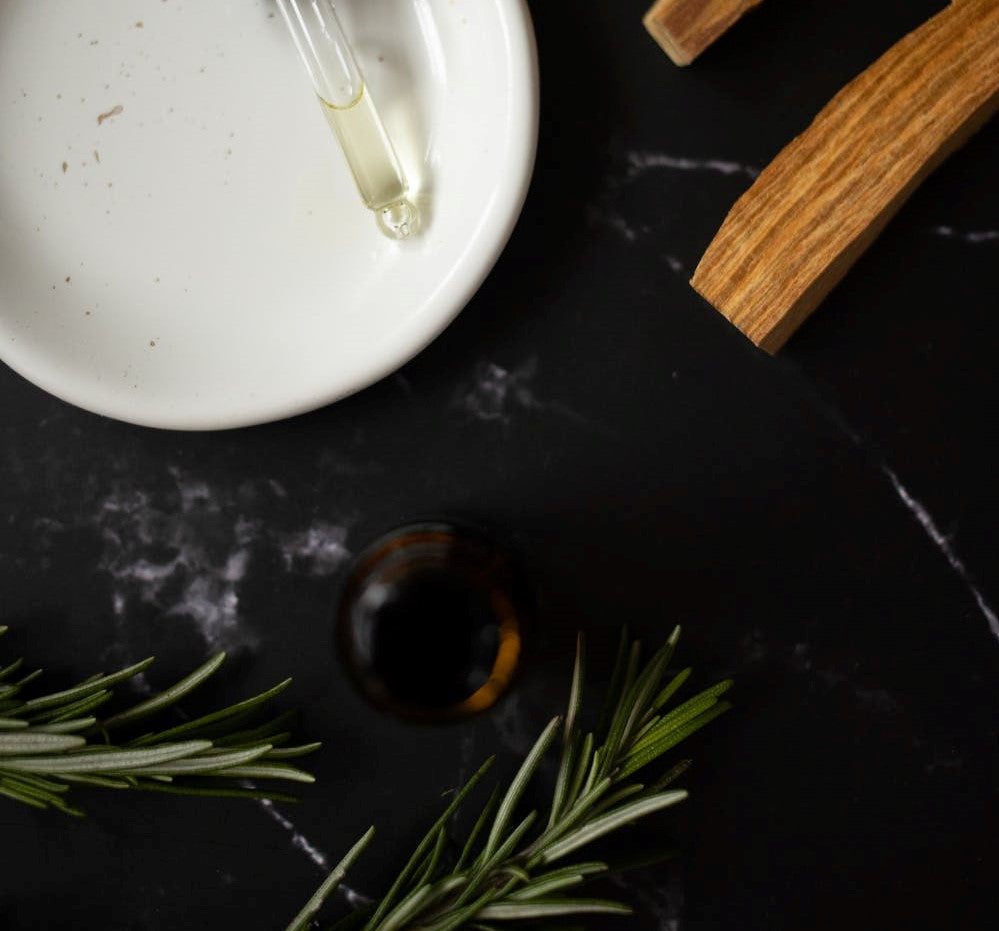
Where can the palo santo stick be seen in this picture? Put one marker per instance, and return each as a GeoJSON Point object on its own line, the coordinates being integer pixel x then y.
{"type": "Point", "coordinates": [818, 205]}
{"type": "Point", "coordinates": [685, 28]}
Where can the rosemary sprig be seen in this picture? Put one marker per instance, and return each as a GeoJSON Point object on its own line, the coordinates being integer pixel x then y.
{"type": "Point", "coordinates": [50, 743]}
{"type": "Point", "coordinates": [510, 865]}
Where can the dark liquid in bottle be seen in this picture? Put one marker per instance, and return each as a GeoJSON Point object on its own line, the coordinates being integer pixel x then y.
{"type": "Point", "coordinates": [431, 622]}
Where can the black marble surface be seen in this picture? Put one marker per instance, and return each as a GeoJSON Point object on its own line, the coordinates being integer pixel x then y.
{"type": "Point", "coordinates": [822, 523]}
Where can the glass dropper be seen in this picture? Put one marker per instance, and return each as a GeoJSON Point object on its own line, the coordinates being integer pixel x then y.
{"type": "Point", "coordinates": [350, 111]}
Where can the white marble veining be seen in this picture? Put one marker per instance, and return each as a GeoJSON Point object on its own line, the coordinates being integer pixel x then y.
{"type": "Point", "coordinates": [640, 162]}
{"type": "Point", "coordinates": [301, 843]}
{"type": "Point", "coordinates": [496, 393]}
{"type": "Point", "coordinates": [182, 557]}
{"type": "Point", "coordinates": [944, 763]}
{"type": "Point", "coordinates": [513, 729]}
{"type": "Point", "coordinates": [662, 901]}
{"type": "Point", "coordinates": [924, 518]}
{"type": "Point", "coordinates": [676, 266]}
{"type": "Point", "coordinates": [319, 550]}
{"type": "Point", "coordinates": [45, 526]}
{"type": "Point", "coordinates": [970, 236]}
{"type": "Point", "coordinates": [945, 546]}
{"type": "Point", "coordinates": [801, 659]}
{"type": "Point", "coordinates": [188, 552]}
{"type": "Point", "coordinates": [617, 222]}
{"type": "Point", "coordinates": [298, 840]}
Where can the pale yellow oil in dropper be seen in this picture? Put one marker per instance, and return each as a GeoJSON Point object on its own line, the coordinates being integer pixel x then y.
{"type": "Point", "coordinates": [351, 113]}
{"type": "Point", "coordinates": [373, 163]}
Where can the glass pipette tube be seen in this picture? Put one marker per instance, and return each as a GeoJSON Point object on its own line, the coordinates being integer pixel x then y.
{"type": "Point", "coordinates": [350, 111]}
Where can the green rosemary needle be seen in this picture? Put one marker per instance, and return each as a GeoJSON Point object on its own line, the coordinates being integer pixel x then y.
{"type": "Point", "coordinates": [51, 743]}
{"type": "Point", "coordinates": [511, 863]}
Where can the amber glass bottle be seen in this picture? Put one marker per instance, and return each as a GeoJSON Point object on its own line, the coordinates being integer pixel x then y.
{"type": "Point", "coordinates": [432, 621]}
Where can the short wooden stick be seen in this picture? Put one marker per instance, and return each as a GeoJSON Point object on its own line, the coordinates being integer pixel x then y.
{"type": "Point", "coordinates": [685, 28]}
{"type": "Point", "coordinates": [823, 200]}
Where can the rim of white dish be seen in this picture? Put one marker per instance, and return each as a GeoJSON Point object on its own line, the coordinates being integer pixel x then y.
{"type": "Point", "coordinates": [449, 301]}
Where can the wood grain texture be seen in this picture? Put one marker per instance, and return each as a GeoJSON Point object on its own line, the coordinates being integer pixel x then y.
{"type": "Point", "coordinates": [685, 28]}
{"type": "Point", "coordinates": [815, 209]}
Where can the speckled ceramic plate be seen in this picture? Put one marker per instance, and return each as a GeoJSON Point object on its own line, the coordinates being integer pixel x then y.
{"type": "Point", "coordinates": [181, 245]}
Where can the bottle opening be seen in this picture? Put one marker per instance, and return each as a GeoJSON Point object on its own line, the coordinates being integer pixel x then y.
{"type": "Point", "coordinates": [431, 624]}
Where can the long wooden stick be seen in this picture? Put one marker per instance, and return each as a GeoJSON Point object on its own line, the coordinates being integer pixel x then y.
{"type": "Point", "coordinates": [816, 208]}
{"type": "Point", "coordinates": [685, 28]}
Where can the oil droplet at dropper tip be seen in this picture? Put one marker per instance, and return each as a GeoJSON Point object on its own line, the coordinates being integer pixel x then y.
{"type": "Point", "coordinates": [399, 220]}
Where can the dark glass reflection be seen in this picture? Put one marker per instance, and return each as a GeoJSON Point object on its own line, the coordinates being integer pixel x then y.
{"type": "Point", "coordinates": [431, 622]}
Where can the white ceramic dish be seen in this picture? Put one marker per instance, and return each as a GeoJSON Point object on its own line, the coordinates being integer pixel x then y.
{"type": "Point", "coordinates": [201, 259]}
